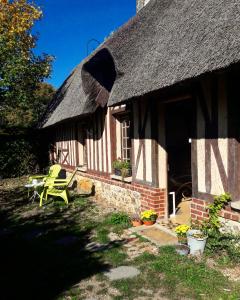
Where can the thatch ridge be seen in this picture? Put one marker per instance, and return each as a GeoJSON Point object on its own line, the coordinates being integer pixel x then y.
{"type": "Point", "coordinates": [69, 102]}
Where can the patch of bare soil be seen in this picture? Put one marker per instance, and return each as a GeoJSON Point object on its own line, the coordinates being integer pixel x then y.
{"type": "Point", "coordinates": [233, 272]}
{"type": "Point", "coordinates": [93, 288]}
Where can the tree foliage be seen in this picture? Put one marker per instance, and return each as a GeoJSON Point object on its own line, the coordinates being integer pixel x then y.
{"type": "Point", "coordinates": [21, 70]}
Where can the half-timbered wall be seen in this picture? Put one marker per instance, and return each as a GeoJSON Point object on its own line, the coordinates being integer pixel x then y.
{"type": "Point", "coordinates": [66, 145]}
{"type": "Point", "coordinates": [145, 142]}
{"type": "Point", "coordinates": [216, 149]}
{"type": "Point", "coordinates": [212, 148]}
{"type": "Point", "coordinates": [98, 143]}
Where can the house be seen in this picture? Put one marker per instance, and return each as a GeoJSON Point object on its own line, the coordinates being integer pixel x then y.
{"type": "Point", "coordinates": [162, 93]}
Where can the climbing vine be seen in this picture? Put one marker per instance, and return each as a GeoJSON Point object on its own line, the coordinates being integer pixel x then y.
{"type": "Point", "coordinates": [214, 209]}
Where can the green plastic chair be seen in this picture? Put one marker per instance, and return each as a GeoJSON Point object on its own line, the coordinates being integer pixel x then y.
{"type": "Point", "coordinates": [53, 172]}
{"type": "Point", "coordinates": [56, 188]}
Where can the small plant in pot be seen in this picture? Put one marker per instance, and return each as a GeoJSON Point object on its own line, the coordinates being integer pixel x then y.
{"type": "Point", "coordinates": [136, 220]}
{"type": "Point", "coordinates": [122, 168]}
{"type": "Point", "coordinates": [181, 232]}
{"type": "Point", "coordinates": [196, 239]}
{"type": "Point", "coordinates": [149, 217]}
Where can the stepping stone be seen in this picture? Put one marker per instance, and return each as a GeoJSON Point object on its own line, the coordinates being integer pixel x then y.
{"type": "Point", "coordinates": [122, 273]}
{"type": "Point", "coordinates": [158, 236]}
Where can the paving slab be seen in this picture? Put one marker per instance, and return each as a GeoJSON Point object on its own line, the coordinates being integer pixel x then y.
{"type": "Point", "coordinates": [122, 272]}
{"type": "Point", "coordinates": [157, 234]}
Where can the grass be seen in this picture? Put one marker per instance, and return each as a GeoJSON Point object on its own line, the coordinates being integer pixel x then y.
{"type": "Point", "coordinates": [36, 266]}
{"type": "Point", "coordinates": [177, 277]}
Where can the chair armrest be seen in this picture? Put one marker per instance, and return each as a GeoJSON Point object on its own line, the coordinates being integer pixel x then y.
{"type": "Point", "coordinates": [60, 180]}
{"type": "Point", "coordinates": [55, 185]}
{"type": "Point", "coordinates": [30, 178]}
{"type": "Point", "coordinates": [37, 176]}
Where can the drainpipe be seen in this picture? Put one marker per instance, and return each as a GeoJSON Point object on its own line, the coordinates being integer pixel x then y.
{"type": "Point", "coordinates": [174, 204]}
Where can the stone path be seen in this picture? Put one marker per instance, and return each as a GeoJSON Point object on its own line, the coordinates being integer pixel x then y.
{"type": "Point", "coordinates": [132, 244]}
{"type": "Point", "coordinates": [157, 234]}
{"type": "Point", "coordinates": [122, 272]}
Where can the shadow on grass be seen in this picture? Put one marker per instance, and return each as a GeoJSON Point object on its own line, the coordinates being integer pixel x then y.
{"type": "Point", "coordinates": [43, 253]}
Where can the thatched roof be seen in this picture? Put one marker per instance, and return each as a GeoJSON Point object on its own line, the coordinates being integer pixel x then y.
{"type": "Point", "coordinates": [170, 41]}
{"type": "Point", "coordinates": [167, 42]}
{"type": "Point", "coordinates": [83, 91]}
{"type": "Point", "coordinates": [69, 102]}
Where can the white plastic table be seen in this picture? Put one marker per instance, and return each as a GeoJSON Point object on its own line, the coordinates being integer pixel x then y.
{"type": "Point", "coordinates": [34, 185]}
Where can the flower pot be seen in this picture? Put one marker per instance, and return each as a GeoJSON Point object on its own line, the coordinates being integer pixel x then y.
{"type": "Point", "coordinates": [148, 222]}
{"type": "Point", "coordinates": [136, 223]}
{"type": "Point", "coordinates": [182, 249]}
{"type": "Point", "coordinates": [117, 172]}
{"type": "Point", "coordinates": [196, 244]}
{"type": "Point", "coordinates": [182, 240]}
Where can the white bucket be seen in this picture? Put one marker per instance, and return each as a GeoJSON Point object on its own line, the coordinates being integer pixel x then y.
{"type": "Point", "coordinates": [196, 245]}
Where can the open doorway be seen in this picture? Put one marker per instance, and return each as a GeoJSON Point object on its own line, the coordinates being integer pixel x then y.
{"type": "Point", "coordinates": [180, 129]}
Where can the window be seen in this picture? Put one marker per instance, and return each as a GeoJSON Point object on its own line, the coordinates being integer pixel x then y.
{"type": "Point", "coordinates": [125, 138]}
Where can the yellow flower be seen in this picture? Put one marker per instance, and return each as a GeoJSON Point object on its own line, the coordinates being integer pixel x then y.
{"type": "Point", "coordinates": [181, 230]}
{"type": "Point", "coordinates": [148, 215]}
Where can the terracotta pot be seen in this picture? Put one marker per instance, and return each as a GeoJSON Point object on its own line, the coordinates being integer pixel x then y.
{"type": "Point", "coordinates": [136, 223]}
{"type": "Point", "coordinates": [148, 223]}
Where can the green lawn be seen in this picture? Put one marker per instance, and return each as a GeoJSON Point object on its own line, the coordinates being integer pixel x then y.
{"type": "Point", "coordinates": [43, 256]}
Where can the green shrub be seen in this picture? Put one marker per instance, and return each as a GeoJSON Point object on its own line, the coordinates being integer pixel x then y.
{"type": "Point", "coordinates": [219, 202]}
{"type": "Point", "coordinates": [22, 154]}
{"type": "Point", "coordinates": [118, 219]}
{"type": "Point", "coordinates": [224, 245]}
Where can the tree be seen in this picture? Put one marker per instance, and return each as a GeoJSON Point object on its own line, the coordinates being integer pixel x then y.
{"type": "Point", "coordinates": [21, 71]}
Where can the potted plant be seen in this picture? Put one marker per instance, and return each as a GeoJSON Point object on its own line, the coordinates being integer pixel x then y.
{"type": "Point", "coordinates": [136, 220]}
{"type": "Point", "coordinates": [149, 217]}
{"type": "Point", "coordinates": [196, 239]}
{"type": "Point", "coordinates": [181, 232]}
{"type": "Point", "coordinates": [122, 168]}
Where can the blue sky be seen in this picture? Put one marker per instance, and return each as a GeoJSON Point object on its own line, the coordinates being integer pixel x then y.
{"type": "Point", "coordinates": [68, 25]}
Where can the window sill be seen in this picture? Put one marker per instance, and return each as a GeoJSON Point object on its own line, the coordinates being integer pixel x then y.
{"type": "Point", "coordinates": [82, 169]}
{"type": "Point", "coordinates": [119, 178]}
{"type": "Point", "coordinates": [235, 205]}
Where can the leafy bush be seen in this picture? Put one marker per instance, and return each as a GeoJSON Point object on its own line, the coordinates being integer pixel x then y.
{"type": "Point", "coordinates": [214, 209]}
{"type": "Point", "coordinates": [22, 154]}
{"type": "Point", "coordinates": [224, 244]}
{"type": "Point", "coordinates": [118, 219]}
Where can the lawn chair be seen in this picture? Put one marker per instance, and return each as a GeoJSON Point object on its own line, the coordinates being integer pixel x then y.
{"type": "Point", "coordinates": [56, 188]}
{"type": "Point", "coordinates": [53, 172]}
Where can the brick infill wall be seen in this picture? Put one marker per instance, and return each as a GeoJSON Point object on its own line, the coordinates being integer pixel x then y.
{"type": "Point", "coordinates": [150, 197]}
{"type": "Point", "coordinates": [199, 211]}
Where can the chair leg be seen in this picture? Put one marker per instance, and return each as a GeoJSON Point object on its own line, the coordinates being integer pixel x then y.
{"type": "Point", "coordinates": [65, 197]}
{"type": "Point", "coordinates": [41, 198]}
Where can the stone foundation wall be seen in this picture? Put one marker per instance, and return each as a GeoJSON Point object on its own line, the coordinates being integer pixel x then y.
{"type": "Point", "coordinates": [129, 197]}
{"type": "Point", "coordinates": [229, 218]}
